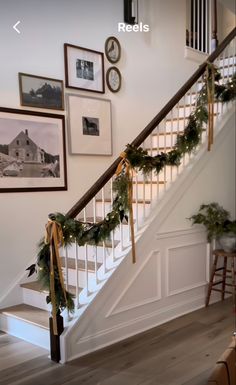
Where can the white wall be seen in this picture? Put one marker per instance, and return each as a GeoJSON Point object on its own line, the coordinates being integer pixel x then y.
{"type": "Point", "coordinates": [230, 4]}
{"type": "Point", "coordinates": [153, 68]}
{"type": "Point", "coordinates": [215, 183]}
{"type": "Point", "coordinates": [226, 19]}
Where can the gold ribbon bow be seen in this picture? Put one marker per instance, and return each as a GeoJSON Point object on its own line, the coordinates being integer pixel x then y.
{"type": "Point", "coordinates": [54, 237]}
{"type": "Point", "coordinates": [125, 163]}
{"type": "Point", "coordinates": [210, 77]}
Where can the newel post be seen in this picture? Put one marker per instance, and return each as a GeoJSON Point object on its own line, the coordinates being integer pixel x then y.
{"type": "Point", "coordinates": [55, 339]}
{"type": "Point", "coordinates": [214, 38]}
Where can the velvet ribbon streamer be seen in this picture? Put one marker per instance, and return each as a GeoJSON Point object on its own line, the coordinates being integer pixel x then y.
{"type": "Point", "coordinates": [54, 237]}
{"type": "Point", "coordinates": [210, 75]}
{"type": "Point", "coordinates": [125, 163]}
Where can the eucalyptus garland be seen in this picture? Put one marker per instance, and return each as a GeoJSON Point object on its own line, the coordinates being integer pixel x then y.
{"type": "Point", "coordinates": [93, 233]}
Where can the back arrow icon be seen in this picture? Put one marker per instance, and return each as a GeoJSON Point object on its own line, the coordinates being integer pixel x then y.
{"type": "Point", "coordinates": [14, 26]}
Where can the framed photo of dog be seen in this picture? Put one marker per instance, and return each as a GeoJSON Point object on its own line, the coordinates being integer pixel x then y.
{"type": "Point", "coordinates": [89, 121]}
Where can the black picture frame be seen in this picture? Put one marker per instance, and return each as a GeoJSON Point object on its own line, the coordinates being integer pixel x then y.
{"type": "Point", "coordinates": [41, 92]}
{"type": "Point", "coordinates": [32, 151]}
{"type": "Point", "coordinates": [84, 68]}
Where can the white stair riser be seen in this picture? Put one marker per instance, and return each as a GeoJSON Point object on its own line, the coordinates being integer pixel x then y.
{"type": "Point", "coordinates": [181, 112]}
{"type": "Point", "coordinates": [227, 72]}
{"type": "Point", "coordinates": [91, 253]}
{"type": "Point", "coordinates": [81, 277]}
{"type": "Point", "coordinates": [163, 143]}
{"type": "Point", "coordinates": [169, 126]}
{"type": "Point", "coordinates": [35, 298]}
{"type": "Point", "coordinates": [25, 330]}
{"type": "Point", "coordinates": [227, 61]}
{"type": "Point", "coordinates": [140, 208]}
{"type": "Point", "coordinates": [147, 192]}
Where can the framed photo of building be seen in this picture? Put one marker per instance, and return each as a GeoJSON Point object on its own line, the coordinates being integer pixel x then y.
{"type": "Point", "coordinates": [32, 151]}
{"type": "Point", "coordinates": [41, 92]}
{"type": "Point", "coordinates": [89, 125]}
{"type": "Point", "coordinates": [84, 68]}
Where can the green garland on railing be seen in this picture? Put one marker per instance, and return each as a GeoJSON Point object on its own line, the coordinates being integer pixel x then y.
{"type": "Point", "coordinates": [94, 233]}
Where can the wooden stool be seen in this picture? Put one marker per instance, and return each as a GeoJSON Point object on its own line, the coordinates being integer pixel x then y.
{"type": "Point", "coordinates": [222, 272]}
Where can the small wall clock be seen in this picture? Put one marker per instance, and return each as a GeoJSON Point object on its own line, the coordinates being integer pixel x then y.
{"type": "Point", "coordinates": [113, 79]}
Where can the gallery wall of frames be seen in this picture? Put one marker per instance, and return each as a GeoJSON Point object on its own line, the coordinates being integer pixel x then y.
{"type": "Point", "coordinates": [32, 143]}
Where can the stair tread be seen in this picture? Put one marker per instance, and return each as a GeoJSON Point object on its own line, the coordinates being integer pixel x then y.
{"type": "Point", "coordinates": [36, 286]}
{"type": "Point", "coordinates": [81, 264]}
{"type": "Point", "coordinates": [108, 200]}
{"type": "Point", "coordinates": [29, 314]}
{"type": "Point", "coordinates": [150, 182]}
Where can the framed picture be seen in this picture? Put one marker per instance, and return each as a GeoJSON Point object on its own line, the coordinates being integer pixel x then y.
{"type": "Point", "coordinates": [41, 92]}
{"type": "Point", "coordinates": [84, 68]}
{"type": "Point", "coordinates": [32, 151]}
{"type": "Point", "coordinates": [113, 79]}
{"type": "Point", "coordinates": [89, 125]}
{"type": "Point", "coordinates": [112, 49]}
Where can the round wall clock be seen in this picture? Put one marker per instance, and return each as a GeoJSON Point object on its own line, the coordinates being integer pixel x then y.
{"type": "Point", "coordinates": [112, 49]}
{"type": "Point", "coordinates": [113, 79]}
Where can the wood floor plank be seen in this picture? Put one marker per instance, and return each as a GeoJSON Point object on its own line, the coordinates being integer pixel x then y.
{"type": "Point", "coordinates": [16, 353]}
{"type": "Point", "coordinates": [180, 352]}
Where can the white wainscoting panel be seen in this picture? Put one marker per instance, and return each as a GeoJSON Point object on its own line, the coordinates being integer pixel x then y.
{"type": "Point", "coordinates": [140, 291]}
{"type": "Point", "coordinates": [186, 267]}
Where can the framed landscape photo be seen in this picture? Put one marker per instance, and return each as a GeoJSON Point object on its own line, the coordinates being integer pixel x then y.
{"type": "Point", "coordinates": [41, 92]}
{"type": "Point", "coordinates": [84, 68]}
{"type": "Point", "coordinates": [32, 151]}
{"type": "Point", "coordinates": [112, 49]}
{"type": "Point", "coordinates": [89, 125]}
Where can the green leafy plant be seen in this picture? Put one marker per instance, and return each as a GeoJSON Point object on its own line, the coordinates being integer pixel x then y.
{"type": "Point", "coordinates": [215, 219]}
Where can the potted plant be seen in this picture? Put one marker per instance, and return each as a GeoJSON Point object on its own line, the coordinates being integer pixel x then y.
{"type": "Point", "coordinates": [218, 225]}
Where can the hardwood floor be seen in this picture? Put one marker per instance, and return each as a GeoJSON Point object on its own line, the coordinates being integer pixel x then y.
{"type": "Point", "coordinates": [180, 352]}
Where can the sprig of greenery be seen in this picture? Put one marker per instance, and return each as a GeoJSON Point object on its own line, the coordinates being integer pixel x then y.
{"type": "Point", "coordinates": [215, 219]}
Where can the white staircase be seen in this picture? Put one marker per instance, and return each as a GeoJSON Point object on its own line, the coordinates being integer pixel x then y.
{"type": "Point", "coordinates": [88, 269]}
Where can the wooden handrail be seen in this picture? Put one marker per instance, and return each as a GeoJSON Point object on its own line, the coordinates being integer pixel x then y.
{"type": "Point", "coordinates": [104, 178]}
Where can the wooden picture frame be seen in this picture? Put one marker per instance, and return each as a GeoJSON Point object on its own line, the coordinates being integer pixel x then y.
{"type": "Point", "coordinates": [41, 92]}
{"type": "Point", "coordinates": [112, 49]}
{"type": "Point", "coordinates": [113, 79]}
{"type": "Point", "coordinates": [32, 151]}
{"type": "Point", "coordinates": [89, 122]}
{"type": "Point", "coordinates": [84, 68]}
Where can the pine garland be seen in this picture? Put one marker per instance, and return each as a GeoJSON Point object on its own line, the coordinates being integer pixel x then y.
{"type": "Point", "coordinates": [93, 233]}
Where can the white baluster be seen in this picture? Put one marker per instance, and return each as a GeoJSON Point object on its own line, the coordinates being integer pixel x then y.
{"type": "Point", "coordinates": [136, 201]}
{"type": "Point", "coordinates": [165, 179]}
{"type": "Point", "coordinates": [77, 273]}
{"type": "Point", "coordinates": [178, 116]}
{"type": "Point", "coordinates": [171, 142]}
{"type": "Point", "coordinates": [86, 259]}
{"type": "Point", "coordinates": [95, 219]}
{"type": "Point", "coordinates": [194, 24]}
{"type": "Point", "coordinates": [103, 243]}
{"type": "Point", "coordinates": [66, 269]}
{"type": "Point", "coordinates": [67, 277]}
{"type": "Point", "coordinates": [198, 25]}
{"type": "Point", "coordinates": [202, 25]}
{"type": "Point", "coordinates": [112, 233]}
{"type": "Point", "coordinates": [184, 123]}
